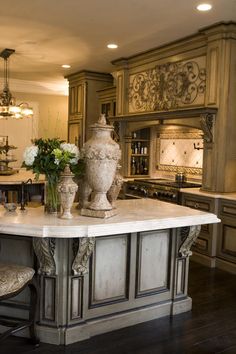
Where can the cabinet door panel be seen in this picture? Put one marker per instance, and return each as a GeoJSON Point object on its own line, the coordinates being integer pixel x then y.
{"type": "Point", "coordinates": [74, 134]}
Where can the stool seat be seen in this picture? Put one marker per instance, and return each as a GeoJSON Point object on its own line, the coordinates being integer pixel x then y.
{"type": "Point", "coordinates": [13, 277]}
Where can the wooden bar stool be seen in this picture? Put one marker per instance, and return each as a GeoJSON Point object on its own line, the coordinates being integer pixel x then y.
{"type": "Point", "coordinates": [13, 280]}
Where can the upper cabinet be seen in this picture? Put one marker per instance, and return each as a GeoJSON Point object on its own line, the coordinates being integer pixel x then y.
{"type": "Point", "coordinates": [84, 103]}
{"type": "Point", "coordinates": [107, 101]}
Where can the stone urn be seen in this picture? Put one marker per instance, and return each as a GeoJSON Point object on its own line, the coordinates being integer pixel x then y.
{"type": "Point", "coordinates": [101, 154]}
{"type": "Point", "coordinates": [67, 189]}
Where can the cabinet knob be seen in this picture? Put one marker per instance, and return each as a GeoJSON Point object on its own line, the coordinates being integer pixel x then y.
{"type": "Point", "coordinates": [196, 205]}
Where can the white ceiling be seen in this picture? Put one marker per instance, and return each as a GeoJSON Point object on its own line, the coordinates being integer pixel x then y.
{"type": "Point", "coordinates": [48, 33]}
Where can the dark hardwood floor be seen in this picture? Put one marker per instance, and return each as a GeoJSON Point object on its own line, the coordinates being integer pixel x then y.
{"type": "Point", "coordinates": [209, 328]}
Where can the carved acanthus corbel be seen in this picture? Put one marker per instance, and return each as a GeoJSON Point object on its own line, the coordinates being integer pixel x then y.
{"type": "Point", "coordinates": [84, 251]}
{"type": "Point", "coordinates": [207, 124]}
{"type": "Point", "coordinates": [44, 249]}
{"type": "Point", "coordinates": [188, 235]}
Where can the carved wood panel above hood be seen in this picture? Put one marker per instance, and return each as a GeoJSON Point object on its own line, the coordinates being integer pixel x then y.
{"type": "Point", "coordinates": [168, 86]}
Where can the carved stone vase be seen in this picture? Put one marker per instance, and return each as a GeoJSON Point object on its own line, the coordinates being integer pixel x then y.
{"type": "Point", "coordinates": [101, 154]}
{"type": "Point", "coordinates": [67, 189]}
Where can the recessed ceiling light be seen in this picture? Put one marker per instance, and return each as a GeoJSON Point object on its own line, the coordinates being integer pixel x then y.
{"type": "Point", "coordinates": [112, 46]}
{"type": "Point", "coordinates": [66, 66]}
{"type": "Point", "coordinates": [204, 7]}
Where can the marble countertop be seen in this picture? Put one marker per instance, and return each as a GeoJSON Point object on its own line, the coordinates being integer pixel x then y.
{"type": "Point", "coordinates": [199, 192]}
{"type": "Point", "coordinates": [132, 216]}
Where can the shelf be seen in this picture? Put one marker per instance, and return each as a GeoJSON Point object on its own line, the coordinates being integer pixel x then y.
{"type": "Point", "coordinates": [140, 155]}
{"type": "Point", "coordinates": [7, 160]}
{"type": "Point", "coordinates": [139, 175]}
{"type": "Point", "coordinates": [8, 172]}
{"type": "Point", "coordinates": [7, 147]}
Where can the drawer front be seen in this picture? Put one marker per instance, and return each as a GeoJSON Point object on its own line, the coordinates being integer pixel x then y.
{"type": "Point", "coordinates": [197, 204]}
{"type": "Point", "coordinates": [228, 208]}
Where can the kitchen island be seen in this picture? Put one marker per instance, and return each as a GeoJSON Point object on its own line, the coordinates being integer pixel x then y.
{"type": "Point", "coordinates": [98, 275]}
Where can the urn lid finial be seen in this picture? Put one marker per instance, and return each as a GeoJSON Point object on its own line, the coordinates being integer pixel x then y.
{"type": "Point", "coordinates": [102, 119]}
{"type": "Point", "coordinates": [101, 124]}
{"type": "Point", "coordinates": [67, 172]}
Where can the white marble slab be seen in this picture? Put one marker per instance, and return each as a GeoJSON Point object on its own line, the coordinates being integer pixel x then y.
{"type": "Point", "coordinates": [199, 192]}
{"type": "Point", "coordinates": [133, 216]}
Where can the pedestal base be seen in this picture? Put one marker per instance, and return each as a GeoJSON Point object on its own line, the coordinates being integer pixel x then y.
{"type": "Point", "coordinates": [103, 214]}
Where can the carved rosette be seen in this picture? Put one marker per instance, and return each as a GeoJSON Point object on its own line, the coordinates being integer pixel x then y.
{"type": "Point", "coordinates": [44, 249]}
{"type": "Point", "coordinates": [188, 236]}
{"type": "Point", "coordinates": [84, 251]}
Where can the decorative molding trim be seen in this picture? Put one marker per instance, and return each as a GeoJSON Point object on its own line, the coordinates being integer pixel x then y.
{"type": "Point", "coordinates": [188, 236]}
{"type": "Point", "coordinates": [84, 251]}
{"type": "Point", "coordinates": [44, 250]}
{"type": "Point", "coordinates": [207, 122]}
{"type": "Point", "coordinates": [176, 134]}
{"type": "Point", "coordinates": [189, 170]}
{"type": "Point", "coordinates": [168, 86]}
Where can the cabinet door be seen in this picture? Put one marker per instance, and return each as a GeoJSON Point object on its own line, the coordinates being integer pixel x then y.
{"type": "Point", "coordinates": [204, 243]}
{"type": "Point", "coordinates": [226, 247]}
{"type": "Point", "coordinates": [75, 133]}
{"type": "Point", "coordinates": [76, 98]}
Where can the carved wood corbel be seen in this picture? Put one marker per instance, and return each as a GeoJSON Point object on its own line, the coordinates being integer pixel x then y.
{"type": "Point", "coordinates": [188, 236]}
{"type": "Point", "coordinates": [84, 251]}
{"type": "Point", "coordinates": [44, 249]}
{"type": "Point", "coordinates": [207, 121]}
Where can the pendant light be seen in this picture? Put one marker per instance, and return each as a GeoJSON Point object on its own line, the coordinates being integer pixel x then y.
{"type": "Point", "coordinates": [8, 106]}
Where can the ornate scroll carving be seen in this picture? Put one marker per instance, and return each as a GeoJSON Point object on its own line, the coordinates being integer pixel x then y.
{"type": "Point", "coordinates": [207, 122]}
{"type": "Point", "coordinates": [167, 86]}
{"type": "Point", "coordinates": [84, 251]}
{"type": "Point", "coordinates": [44, 249]}
{"type": "Point", "coordinates": [188, 237]}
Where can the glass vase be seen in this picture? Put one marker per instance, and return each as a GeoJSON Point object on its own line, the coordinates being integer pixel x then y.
{"type": "Point", "coordinates": [51, 196]}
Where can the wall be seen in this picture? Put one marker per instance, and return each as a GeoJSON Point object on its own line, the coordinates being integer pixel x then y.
{"type": "Point", "coordinates": [52, 113]}
{"type": "Point", "coordinates": [49, 120]}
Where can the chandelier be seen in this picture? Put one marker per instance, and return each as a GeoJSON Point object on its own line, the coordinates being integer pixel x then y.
{"type": "Point", "coordinates": [8, 106]}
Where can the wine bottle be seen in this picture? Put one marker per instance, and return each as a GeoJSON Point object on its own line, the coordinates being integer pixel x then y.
{"type": "Point", "coordinates": [133, 166]}
{"type": "Point", "coordinates": [145, 166]}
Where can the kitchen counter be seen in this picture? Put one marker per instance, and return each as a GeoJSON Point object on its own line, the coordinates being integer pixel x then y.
{"type": "Point", "coordinates": [22, 176]}
{"type": "Point", "coordinates": [98, 275]}
{"type": "Point", "coordinates": [199, 192]}
{"type": "Point", "coordinates": [132, 215]}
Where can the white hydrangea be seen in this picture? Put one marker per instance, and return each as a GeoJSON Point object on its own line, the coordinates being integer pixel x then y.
{"type": "Point", "coordinates": [29, 155]}
{"type": "Point", "coordinates": [72, 148]}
